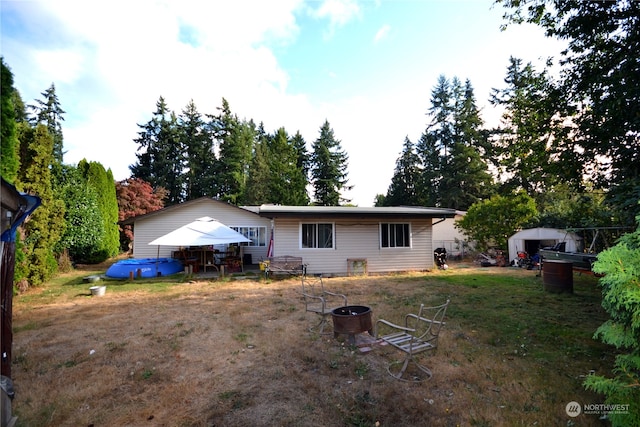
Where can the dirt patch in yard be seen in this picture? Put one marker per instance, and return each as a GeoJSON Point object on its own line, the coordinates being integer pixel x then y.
{"type": "Point", "coordinates": [239, 353]}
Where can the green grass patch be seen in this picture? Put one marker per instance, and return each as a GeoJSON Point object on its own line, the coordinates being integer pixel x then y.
{"type": "Point", "coordinates": [71, 286]}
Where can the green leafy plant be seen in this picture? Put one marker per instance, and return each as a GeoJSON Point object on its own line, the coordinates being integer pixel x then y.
{"type": "Point", "coordinates": [493, 221]}
{"type": "Point", "coordinates": [621, 299]}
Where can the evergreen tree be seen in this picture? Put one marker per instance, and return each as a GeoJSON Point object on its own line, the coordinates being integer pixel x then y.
{"type": "Point", "coordinates": [620, 282]}
{"type": "Point", "coordinates": [258, 182]}
{"type": "Point", "coordinates": [19, 108]}
{"type": "Point", "coordinates": [161, 154]}
{"type": "Point", "coordinates": [328, 168]}
{"type": "Point", "coordinates": [454, 174]}
{"type": "Point", "coordinates": [84, 233]}
{"type": "Point", "coordinates": [428, 153]}
{"type": "Point", "coordinates": [200, 156]}
{"type": "Point", "coordinates": [441, 112]}
{"type": "Point", "coordinates": [236, 141]}
{"type": "Point", "coordinates": [46, 224]}
{"type": "Point", "coordinates": [404, 188]}
{"type": "Point", "coordinates": [49, 112]}
{"type": "Point", "coordinates": [466, 176]}
{"type": "Point", "coordinates": [303, 164]}
{"type": "Point", "coordinates": [529, 142]}
{"type": "Point", "coordinates": [379, 200]}
{"type": "Point", "coordinates": [257, 192]}
{"type": "Point", "coordinates": [9, 161]}
{"type": "Point", "coordinates": [287, 185]}
{"type": "Point", "coordinates": [103, 183]}
{"type": "Point", "coordinates": [601, 77]}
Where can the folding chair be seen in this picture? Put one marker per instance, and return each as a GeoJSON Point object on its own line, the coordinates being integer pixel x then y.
{"type": "Point", "coordinates": [320, 301]}
{"type": "Point", "coordinates": [419, 334]}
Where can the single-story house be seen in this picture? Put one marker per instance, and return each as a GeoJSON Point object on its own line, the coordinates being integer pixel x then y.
{"type": "Point", "coordinates": [338, 239]}
{"type": "Point", "coordinates": [333, 240]}
{"type": "Point", "coordinates": [532, 239]}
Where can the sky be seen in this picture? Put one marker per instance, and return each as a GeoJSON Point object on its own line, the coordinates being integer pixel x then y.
{"type": "Point", "coordinates": [367, 67]}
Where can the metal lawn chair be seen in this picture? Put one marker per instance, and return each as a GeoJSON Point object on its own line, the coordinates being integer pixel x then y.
{"type": "Point", "coordinates": [419, 334]}
{"type": "Point", "coordinates": [319, 300]}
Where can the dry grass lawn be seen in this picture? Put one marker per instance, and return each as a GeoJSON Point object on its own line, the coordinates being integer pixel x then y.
{"type": "Point", "coordinates": [239, 353]}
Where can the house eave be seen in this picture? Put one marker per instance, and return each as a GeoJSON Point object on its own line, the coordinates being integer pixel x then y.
{"type": "Point", "coordinates": [344, 212]}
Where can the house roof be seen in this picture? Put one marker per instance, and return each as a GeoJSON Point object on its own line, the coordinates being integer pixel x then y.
{"type": "Point", "coordinates": [281, 211]}
{"type": "Point", "coordinates": [162, 211]}
{"type": "Point", "coordinates": [397, 212]}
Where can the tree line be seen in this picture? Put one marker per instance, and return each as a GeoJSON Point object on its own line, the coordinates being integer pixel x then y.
{"type": "Point", "coordinates": [192, 155]}
{"type": "Point", "coordinates": [77, 219]}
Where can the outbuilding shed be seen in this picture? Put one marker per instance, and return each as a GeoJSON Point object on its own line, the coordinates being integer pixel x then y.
{"type": "Point", "coordinates": [532, 239]}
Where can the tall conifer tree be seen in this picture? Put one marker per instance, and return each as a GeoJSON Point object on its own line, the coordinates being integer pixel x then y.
{"type": "Point", "coordinates": [46, 224]}
{"type": "Point", "coordinates": [200, 156]}
{"type": "Point", "coordinates": [404, 188]}
{"type": "Point", "coordinates": [257, 192]}
{"type": "Point", "coordinates": [329, 169]}
{"type": "Point", "coordinates": [235, 139]}
{"type": "Point", "coordinates": [102, 181]}
{"type": "Point", "coordinates": [9, 161]}
{"type": "Point", "coordinates": [161, 154]}
{"type": "Point", "coordinates": [286, 181]}
{"type": "Point", "coordinates": [530, 139]}
{"type": "Point", "coordinates": [49, 112]}
{"type": "Point", "coordinates": [303, 164]}
{"type": "Point", "coordinates": [454, 175]}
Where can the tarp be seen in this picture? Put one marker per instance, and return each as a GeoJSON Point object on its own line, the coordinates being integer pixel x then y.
{"type": "Point", "coordinates": [550, 235]}
{"type": "Point", "coordinates": [201, 232]}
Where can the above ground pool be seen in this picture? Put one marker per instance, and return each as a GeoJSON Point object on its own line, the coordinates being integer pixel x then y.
{"type": "Point", "coordinates": [144, 267]}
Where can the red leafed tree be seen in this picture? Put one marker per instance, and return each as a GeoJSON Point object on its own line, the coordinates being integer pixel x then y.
{"type": "Point", "coordinates": [136, 197]}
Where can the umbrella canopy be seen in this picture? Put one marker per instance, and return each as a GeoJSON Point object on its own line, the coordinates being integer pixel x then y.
{"type": "Point", "coordinates": [201, 232]}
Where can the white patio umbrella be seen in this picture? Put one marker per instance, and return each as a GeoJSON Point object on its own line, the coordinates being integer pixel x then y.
{"type": "Point", "coordinates": [201, 232]}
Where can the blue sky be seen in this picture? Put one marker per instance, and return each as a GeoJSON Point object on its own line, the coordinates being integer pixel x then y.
{"type": "Point", "coordinates": [368, 67]}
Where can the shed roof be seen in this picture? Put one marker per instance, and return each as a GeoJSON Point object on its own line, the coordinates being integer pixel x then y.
{"type": "Point", "coordinates": [542, 233]}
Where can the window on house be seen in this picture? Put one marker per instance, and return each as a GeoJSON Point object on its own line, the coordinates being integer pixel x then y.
{"type": "Point", "coordinates": [395, 235]}
{"type": "Point", "coordinates": [316, 235]}
{"type": "Point", "coordinates": [257, 235]}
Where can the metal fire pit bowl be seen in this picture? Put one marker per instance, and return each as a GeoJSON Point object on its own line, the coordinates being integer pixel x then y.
{"type": "Point", "coordinates": [352, 320]}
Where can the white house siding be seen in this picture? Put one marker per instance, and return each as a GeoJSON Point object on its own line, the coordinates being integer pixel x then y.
{"type": "Point", "coordinates": [356, 239]}
{"type": "Point", "coordinates": [153, 226]}
{"type": "Point", "coordinates": [446, 235]}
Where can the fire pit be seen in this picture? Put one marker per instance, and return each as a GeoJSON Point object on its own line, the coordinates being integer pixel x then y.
{"type": "Point", "coordinates": [352, 320]}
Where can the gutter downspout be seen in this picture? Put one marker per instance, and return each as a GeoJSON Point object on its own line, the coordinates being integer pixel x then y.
{"type": "Point", "coordinates": [438, 222]}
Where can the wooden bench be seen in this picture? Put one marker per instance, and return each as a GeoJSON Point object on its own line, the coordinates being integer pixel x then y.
{"type": "Point", "coordinates": [286, 265]}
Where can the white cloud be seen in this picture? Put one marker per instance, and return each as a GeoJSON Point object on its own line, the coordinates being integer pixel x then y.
{"type": "Point", "coordinates": [61, 66]}
{"type": "Point", "coordinates": [382, 33]}
{"type": "Point", "coordinates": [339, 13]}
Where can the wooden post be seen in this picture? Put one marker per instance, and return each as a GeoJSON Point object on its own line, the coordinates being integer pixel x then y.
{"type": "Point", "coordinates": [7, 274]}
